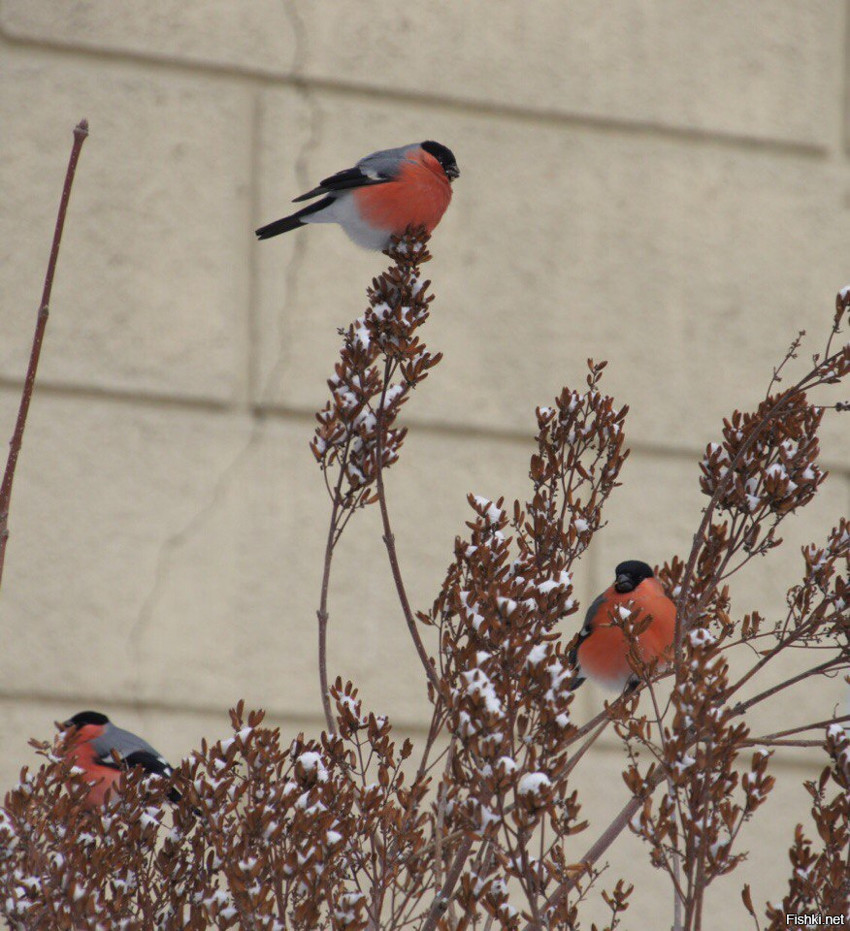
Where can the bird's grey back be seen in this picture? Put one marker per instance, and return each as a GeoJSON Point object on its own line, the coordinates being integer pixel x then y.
{"type": "Point", "coordinates": [385, 163]}
{"type": "Point", "coordinates": [125, 742]}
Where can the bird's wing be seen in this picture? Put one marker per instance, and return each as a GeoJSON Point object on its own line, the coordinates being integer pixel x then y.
{"type": "Point", "coordinates": [377, 168]}
{"type": "Point", "coordinates": [587, 627]}
{"type": "Point", "coordinates": [150, 763]}
{"type": "Point", "coordinates": [125, 743]}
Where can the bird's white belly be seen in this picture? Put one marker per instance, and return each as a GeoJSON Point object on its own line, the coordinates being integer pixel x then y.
{"type": "Point", "coordinates": [344, 212]}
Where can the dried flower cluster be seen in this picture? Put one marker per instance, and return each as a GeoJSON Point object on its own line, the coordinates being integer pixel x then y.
{"type": "Point", "coordinates": [691, 828]}
{"type": "Point", "coordinates": [381, 361]}
{"type": "Point", "coordinates": [506, 683]}
{"type": "Point", "coordinates": [355, 432]}
{"type": "Point", "coordinates": [758, 472]}
{"type": "Point", "coordinates": [765, 468]}
{"type": "Point", "coordinates": [62, 867]}
{"type": "Point", "coordinates": [479, 825]}
{"type": "Point", "coordinates": [820, 881]}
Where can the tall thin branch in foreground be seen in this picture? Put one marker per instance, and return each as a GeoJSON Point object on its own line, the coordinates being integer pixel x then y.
{"type": "Point", "coordinates": [81, 131]}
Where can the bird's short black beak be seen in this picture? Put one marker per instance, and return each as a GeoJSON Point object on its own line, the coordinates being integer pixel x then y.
{"type": "Point", "coordinates": [624, 584]}
{"type": "Point", "coordinates": [452, 172]}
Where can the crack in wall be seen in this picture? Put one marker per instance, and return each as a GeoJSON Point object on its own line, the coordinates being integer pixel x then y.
{"type": "Point", "coordinates": [168, 550]}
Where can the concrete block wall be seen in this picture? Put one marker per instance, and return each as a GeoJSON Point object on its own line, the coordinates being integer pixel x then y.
{"type": "Point", "coordinates": [662, 185]}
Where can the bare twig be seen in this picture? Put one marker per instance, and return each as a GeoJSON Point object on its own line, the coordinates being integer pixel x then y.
{"type": "Point", "coordinates": [815, 725]}
{"type": "Point", "coordinates": [741, 707]}
{"type": "Point", "coordinates": [604, 841]}
{"type": "Point", "coordinates": [440, 903]}
{"type": "Point", "coordinates": [81, 131]}
{"type": "Point", "coordinates": [389, 541]}
{"type": "Point", "coordinates": [322, 615]}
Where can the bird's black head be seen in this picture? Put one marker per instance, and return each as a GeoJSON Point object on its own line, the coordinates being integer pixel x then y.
{"type": "Point", "coordinates": [444, 156]}
{"type": "Point", "coordinates": [630, 574]}
{"type": "Point", "coordinates": [87, 717]}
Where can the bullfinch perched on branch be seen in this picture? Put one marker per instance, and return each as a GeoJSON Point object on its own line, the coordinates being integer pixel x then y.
{"type": "Point", "coordinates": [384, 194]}
{"type": "Point", "coordinates": [91, 748]}
{"type": "Point", "coordinates": [601, 653]}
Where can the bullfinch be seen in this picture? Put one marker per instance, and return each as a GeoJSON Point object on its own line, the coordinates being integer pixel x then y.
{"type": "Point", "coordinates": [91, 747]}
{"type": "Point", "coordinates": [601, 653]}
{"type": "Point", "coordinates": [381, 196]}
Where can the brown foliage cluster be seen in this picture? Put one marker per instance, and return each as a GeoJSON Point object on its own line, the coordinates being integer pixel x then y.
{"type": "Point", "coordinates": [479, 826]}
{"type": "Point", "coordinates": [764, 469]}
{"type": "Point", "coordinates": [263, 836]}
{"type": "Point", "coordinates": [691, 828]}
{"type": "Point", "coordinates": [773, 470]}
{"type": "Point", "coordinates": [505, 680]}
{"type": "Point", "coordinates": [820, 881]}
{"type": "Point", "coordinates": [380, 363]}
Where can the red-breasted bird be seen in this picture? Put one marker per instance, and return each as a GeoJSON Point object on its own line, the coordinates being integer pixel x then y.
{"type": "Point", "coordinates": [91, 749]}
{"type": "Point", "coordinates": [384, 194]}
{"type": "Point", "coordinates": [602, 649]}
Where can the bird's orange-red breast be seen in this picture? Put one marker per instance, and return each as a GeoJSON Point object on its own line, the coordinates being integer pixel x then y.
{"type": "Point", "coordinates": [91, 747]}
{"type": "Point", "coordinates": [419, 196]}
{"type": "Point", "coordinates": [601, 653]}
{"type": "Point", "coordinates": [381, 196]}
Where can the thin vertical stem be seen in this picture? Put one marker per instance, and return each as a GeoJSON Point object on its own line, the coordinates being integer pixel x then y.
{"type": "Point", "coordinates": [389, 542]}
{"type": "Point", "coordinates": [322, 615]}
{"type": "Point", "coordinates": [81, 131]}
{"type": "Point", "coordinates": [443, 898]}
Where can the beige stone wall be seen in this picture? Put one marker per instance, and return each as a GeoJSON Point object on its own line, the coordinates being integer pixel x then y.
{"type": "Point", "coordinates": [664, 185]}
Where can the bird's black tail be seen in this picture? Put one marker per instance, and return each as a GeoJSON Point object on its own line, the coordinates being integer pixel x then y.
{"type": "Point", "coordinates": [279, 226]}
{"type": "Point", "coordinates": [292, 222]}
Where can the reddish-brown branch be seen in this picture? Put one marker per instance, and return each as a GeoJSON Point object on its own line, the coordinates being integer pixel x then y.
{"type": "Point", "coordinates": [440, 903]}
{"type": "Point", "coordinates": [808, 381]}
{"type": "Point", "coordinates": [606, 838]}
{"type": "Point", "coordinates": [741, 707]}
{"type": "Point", "coordinates": [81, 131]}
{"type": "Point", "coordinates": [815, 725]}
{"type": "Point", "coordinates": [598, 718]}
{"type": "Point", "coordinates": [574, 759]}
{"type": "Point", "coordinates": [765, 658]}
{"type": "Point", "coordinates": [322, 615]}
{"type": "Point", "coordinates": [389, 541]}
